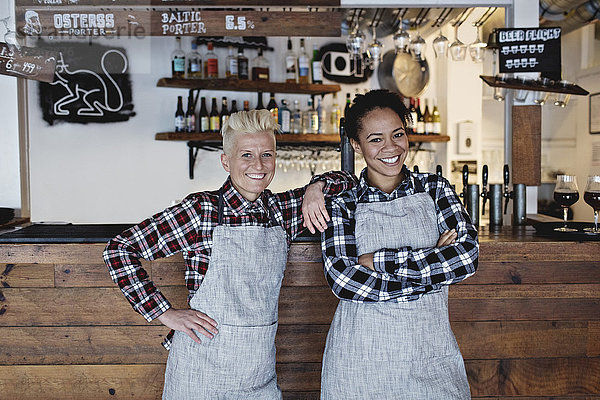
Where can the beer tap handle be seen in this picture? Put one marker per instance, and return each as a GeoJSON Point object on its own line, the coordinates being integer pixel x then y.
{"type": "Point", "coordinates": [438, 170]}
{"type": "Point", "coordinates": [507, 194]}
{"type": "Point", "coordinates": [465, 182]}
{"type": "Point", "coordinates": [484, 191]}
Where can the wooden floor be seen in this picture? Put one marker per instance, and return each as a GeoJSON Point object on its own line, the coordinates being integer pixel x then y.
{"type": "Point", "coordinates": [528, 323]}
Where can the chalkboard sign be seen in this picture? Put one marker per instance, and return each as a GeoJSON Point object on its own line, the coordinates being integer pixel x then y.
{"type": "Point", "coordinates": [91, 84]}
{"type": "Point", "coordinates": [27, 62]}
{"type": "Point", "coordinates": [530, 50]}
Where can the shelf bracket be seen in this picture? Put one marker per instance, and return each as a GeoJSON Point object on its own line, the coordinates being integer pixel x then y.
{"type": "Point", "coordinates": [193, 147]}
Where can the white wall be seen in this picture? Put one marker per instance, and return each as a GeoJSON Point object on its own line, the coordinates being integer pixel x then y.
{"type": "Point", "coordinates": [10, 190]}
{"type": "Point", "coordinates": [117, 172]}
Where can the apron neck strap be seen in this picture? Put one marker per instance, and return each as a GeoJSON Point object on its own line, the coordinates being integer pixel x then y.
{"type": "Point", "coordinates": [221, 206]}
{"type": "Point", "coordinates": [418, 185]}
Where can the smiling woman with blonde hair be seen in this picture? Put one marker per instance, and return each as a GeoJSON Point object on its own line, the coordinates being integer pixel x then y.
{"type": "Point", "coordinates": [234, 242]}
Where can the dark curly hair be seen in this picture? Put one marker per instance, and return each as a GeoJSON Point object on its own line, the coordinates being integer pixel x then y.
{"type": "Point", "coordinates": [363, 104]}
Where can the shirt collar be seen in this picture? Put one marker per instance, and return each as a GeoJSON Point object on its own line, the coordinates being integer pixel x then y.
{"type": "Point", "coordinates": [364, 188]}
{"type": "Point", "coordinates": [238, 204]}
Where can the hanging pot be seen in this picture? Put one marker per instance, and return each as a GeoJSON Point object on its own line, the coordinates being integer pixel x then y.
{"type": "Point", "coordinates": [401, 73]}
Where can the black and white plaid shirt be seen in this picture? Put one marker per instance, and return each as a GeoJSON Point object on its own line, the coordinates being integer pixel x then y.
{"type": "Point", "coordinates": [400, 274]}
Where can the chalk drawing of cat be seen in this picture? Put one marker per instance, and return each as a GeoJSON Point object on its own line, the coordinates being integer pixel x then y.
{"type": "Point", "coordinates": [89, 87]}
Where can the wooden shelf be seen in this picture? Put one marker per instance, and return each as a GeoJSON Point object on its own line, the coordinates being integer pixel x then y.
{"type": "Point", "coordinates": [512, 83]}
{"type": "Point", "coordinates": [248, 86]}
{"type": "Point", "coordinates": [308, 138]}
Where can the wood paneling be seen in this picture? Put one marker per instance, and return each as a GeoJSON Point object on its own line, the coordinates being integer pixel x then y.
{"type": "Point", "coordinates": [26, 275]}
{"type": "Point", "coordinates": [295, 343]}
{"type": "Point", "coordinates": [527, 323]}
{"type": "Point", "coordinates": [76, 382]}
{"type": "Point", "coordinates": [535, 272]}
{"type": "Point", "coordinates": [527, 145]}
{"type": "Point", "coordinates": [534, 377]}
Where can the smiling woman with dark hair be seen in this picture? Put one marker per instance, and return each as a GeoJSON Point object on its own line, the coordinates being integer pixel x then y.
{"type": "Point", "coordinates": [393, 245]}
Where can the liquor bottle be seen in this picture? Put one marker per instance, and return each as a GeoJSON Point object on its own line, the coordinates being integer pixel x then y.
{"type": "Point", "coordinates": [303, 65]}
{"type": "Point", "coordinates": [428, 118]}
{"type": "Point", "coordinates": [260, 67]}
{"type": "Point", "coordinates": [212, 63]}
{"type": "Point", "coordinates": [233, 107]}
{"type": "Point", "coordinates": [347, 106]}
{"type": "Point", "coordinates": [194, 62]}
{"type": "Point", "coordinates": [231, 65]}
{"type": "Point", "coordinates": [272, 106]}
{"type": "Point", "coordinates": [312, 125]}
{"type": "Point", "coordinates": [336, 113]}
{"type": "Point", "coordinates": [259, 104]}
{"type": "Point", "coordinates": [214, 117]}
{"type": "Point", "coordinates": [413, 116]}
{"type": "Point", "coordinates": [317, 72]}
{"type": "Point", "coordinates": [178, 60]}
{"type": "Point", "coordinates": [420, 119]}
{"type": "Point", "coordinates": [204, 118]}
{"type": "Point", "coordinates": [224, 116]}
{"type": "Point", "coordinates": [179, 116]}
{"type": "Point", "coordinates": [246, 105]}
{"type": "Point", "coordinates": [285, 116]}
{"type": "Point", "coordinates": [190, 116]}
{"type": "Point", "coordinates": [437, 121]}
{"type": "Point", "coordinates": [321, 115]}
{"type": "Point", "coordinates": [296, 118]}
{"type": "Point", "coordinates": [290, 64]}
{"type": "Point", "coordinates": [242, 62]}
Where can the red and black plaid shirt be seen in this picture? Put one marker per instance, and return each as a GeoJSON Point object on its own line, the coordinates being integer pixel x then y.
{"type": "Point", "coordinates": [187, 228]}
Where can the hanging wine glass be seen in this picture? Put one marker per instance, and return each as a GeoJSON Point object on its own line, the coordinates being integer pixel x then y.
{"type": "Point", "coordinates": [417, 47]}
{"type": "Point", "coordinates": [477, 48]}
{"type": "Point", "coordinates": [374, 51]}
{"type": "Point", "coordinates": [458, 50]}
{"type": "Point", "coordinates": [401, 40]}
{"type": "Point", "coordinates": [355, 43]}
{"type": "Point", "coordinates": [440, 45]}
{"type": "Point", "coordinates": [10, 37]}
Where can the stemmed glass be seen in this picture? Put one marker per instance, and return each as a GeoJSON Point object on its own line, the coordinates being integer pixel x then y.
{"type": "Point", "coordinates": [458, 50]}
{"type": "Point", "coordinates": [477, 48]}
{"type": "Point", "coordinates": [417, 47]}
{"type": "Point", "coordinates": [592, 198]}
{"type": "Point", "coordinates": [355, 43]}
{"type": "Point", "coordinates": [566, 194]}
{"type": "Point", "coordinates": [401, 40]}
{"type": "Point", "coordinates": [374, 51]}
{"type": "Point", "coordinates": [440, 45]}
{"type": "Point", "coordinates": [10, 37]}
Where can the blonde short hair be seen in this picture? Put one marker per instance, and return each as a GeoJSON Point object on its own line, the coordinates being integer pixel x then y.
{"type": "Point", "coordinates": [242, 122]}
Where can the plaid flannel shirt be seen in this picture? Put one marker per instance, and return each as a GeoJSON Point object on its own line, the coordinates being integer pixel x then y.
{"type": "Point", "coordinates": [400, 274]}
{"type": "Point", "coordinates": [187, 228]}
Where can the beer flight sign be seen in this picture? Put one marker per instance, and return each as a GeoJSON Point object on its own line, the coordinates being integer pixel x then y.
{"type": "Point", "coordinates": [530, 50]}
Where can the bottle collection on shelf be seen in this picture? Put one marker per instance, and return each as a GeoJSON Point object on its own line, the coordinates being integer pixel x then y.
{"type": "Point", "coordinates": [315, 118]}
{"type": "Point", "coordinates": [299, 67]}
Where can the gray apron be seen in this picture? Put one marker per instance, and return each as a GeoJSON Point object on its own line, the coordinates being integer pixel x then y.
{"type": "Point", "coordinates": [395, 349]}
{"type": "Point", "coordinates": [240, 291]}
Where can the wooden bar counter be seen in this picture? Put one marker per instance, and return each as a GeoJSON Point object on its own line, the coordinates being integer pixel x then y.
{"type": "Point", "coordinates": [528, 322]}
